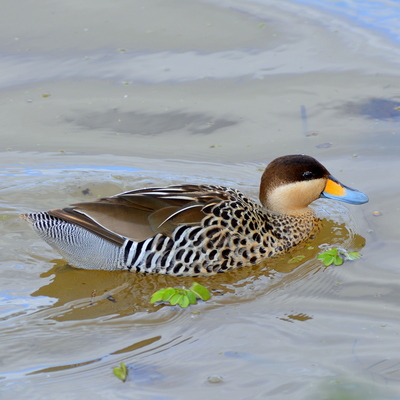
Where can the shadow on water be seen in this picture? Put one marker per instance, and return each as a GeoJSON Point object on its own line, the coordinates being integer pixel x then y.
{"type": "Point", "coordinates": [84, 294]}
{"type": "Point", "coordinates": [374, 108]}
{"type": "Point", "coordinates": [134, 122]}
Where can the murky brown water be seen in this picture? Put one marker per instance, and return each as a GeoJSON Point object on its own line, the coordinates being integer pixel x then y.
{"type": "Point", "coordinates": [102, 97]}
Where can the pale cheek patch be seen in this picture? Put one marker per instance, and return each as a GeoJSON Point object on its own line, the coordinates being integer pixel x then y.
{"type": "Point", "coordinates": [294, 198]}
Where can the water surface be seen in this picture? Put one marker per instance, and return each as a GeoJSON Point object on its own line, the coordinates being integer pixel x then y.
{"type": "Point", "coordinates": [102, 97]}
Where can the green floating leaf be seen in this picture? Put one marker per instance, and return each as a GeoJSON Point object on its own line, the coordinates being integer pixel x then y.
{"type": "Point", "coordinates": [191, 297]}
{"type": "Point", "coordinates": [338, 260]}
{"type": "Point", "coordinates": [296, 259]}
{"type": "Point", "coordinates": [123, 367]}
{"type": "Point", "coordinates": [337, 257]}
{"type": "Point", "coordinates": [121, 372]}
{"type": "Point", "coordinates": [175, 299]}
{"type": "Point", "coordinates": [168, 293]}
{"type": "Point", "coordinates": [184, 301]}
{"type": "Point", "coordinates": [332, 252]}
{"type": "Point", "coordinates": [157, 296]}
{"type": "Point", "coordinates": [353, 256]}
{"type": "Point", "coordinates": [328, 260]}
{"type": "Point", "coordinates": [181, 297]}
{"type": "Point", "coordinates": [200, 291]}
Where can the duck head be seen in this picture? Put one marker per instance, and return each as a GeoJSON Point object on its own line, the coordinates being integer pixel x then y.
{"type": "Point", "coordinates": [290, 183]}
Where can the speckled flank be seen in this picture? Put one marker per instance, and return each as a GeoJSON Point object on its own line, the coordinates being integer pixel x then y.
{"type": "Point", "coordinates": [235, 233]}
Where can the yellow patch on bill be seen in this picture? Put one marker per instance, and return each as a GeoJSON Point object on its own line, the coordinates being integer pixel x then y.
{"type": "Point", "coordinates": [334, 188]}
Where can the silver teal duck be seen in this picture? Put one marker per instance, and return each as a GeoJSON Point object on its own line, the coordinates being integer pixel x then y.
{"type": "Point", "coordinates": [193, 230]}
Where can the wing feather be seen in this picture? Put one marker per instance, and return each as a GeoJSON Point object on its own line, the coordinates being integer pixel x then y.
{"type": "Point", "coordinates": [140, 214]}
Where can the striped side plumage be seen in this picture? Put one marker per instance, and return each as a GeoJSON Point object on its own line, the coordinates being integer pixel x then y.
{"type": "Point", "coordinates": [234, 233]}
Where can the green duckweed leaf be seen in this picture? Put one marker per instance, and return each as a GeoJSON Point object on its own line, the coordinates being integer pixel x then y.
{"type": "Point", "coordinates": [296, 259]}
{"type": "Point", "coordinates": [353, 256]}
{"type": "Point", "coordinates": [337, 257]}
{"type": "Point", "coordinates": [200, 291]}
{"type": "Point", "coordinates": [175, 299]}
{"type": "Point", "coordinates": [181, 297]}
{"type": "Point", "coordinates": [168, 293]}
{"type": "Point", "coordinates": [121, 372]}
{"type": "Point", "coordinates": [326, 259]}
{"type": "Point", "coordinates": [123, 367]}
{"type": "Point", "coordinates": [338, 260]}
{"type": "Point", "coordinates": [184, 301]}
{"type": "Point", "coordinates": [191, 297]}
{"type": "Point", "coordinates": [157, 296]}
{"type": "Point", "coordinates": [332, 252]}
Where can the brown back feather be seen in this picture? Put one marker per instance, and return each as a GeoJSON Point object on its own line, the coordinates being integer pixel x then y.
{"type": "Point", "coordinates": [140, 214]}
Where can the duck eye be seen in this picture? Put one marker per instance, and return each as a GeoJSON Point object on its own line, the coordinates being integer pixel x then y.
{"type": "Point", "coordinates": [308, 175]}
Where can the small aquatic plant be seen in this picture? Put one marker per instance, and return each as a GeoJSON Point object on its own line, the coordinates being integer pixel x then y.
{"type": "Point", "coordinates": [121, 372]}
{"type": "Point", "coordinates": [296, 259]}
{"type": "Point", "coordinates": [337, 256]}
{"type": "Point", "coordinates": [181, 297]}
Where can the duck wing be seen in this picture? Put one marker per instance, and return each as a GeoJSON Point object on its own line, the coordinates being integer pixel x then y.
{"type": "Point", "coordinates": [142, 213]}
